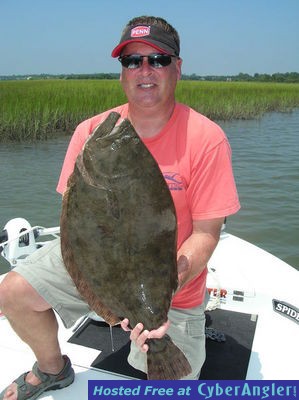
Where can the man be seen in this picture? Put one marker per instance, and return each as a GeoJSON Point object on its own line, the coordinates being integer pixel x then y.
{"type": "Point", "coordinates": [194, 156]}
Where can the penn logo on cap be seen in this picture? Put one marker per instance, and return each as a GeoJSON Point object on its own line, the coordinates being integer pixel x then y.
{"type": "Point", "coordinates": [140, 31]}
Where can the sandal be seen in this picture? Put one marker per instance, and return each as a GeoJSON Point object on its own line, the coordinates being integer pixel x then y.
{"type": "Point", "coordinates": [26, 391]}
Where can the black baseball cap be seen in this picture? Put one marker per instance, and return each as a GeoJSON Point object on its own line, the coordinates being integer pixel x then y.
{"type": "Point", "coordinates": [153, 35]}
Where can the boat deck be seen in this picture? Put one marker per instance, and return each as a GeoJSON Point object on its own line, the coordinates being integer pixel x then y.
{"type": "Point", "coordinates": [261, 337]}
{"type": "Point", "coordinates": [225, 360]}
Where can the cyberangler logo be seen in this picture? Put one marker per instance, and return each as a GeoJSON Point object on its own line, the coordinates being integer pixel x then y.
{"type": "Point", "coordinates": [247, 390]}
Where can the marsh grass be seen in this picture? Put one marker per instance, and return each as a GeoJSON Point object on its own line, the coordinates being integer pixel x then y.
{"type": "Point", "coordinates": [234, 100]}
{"type": "Point", "coordinates": [37, 110]}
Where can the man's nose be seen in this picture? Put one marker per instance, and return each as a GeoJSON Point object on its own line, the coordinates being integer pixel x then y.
{"type": "Point", "coordinates": [146, 68]}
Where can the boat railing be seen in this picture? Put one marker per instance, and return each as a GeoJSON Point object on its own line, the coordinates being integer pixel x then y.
{"type": "Point", "coordinates": [18, 239]}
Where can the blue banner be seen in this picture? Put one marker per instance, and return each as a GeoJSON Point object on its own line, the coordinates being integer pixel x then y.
{"type": "Point", "coordinates": [182, 390]}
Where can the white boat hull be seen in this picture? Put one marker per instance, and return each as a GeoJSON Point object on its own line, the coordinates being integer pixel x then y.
{"type": "Point", "coordinates": [243, 267]}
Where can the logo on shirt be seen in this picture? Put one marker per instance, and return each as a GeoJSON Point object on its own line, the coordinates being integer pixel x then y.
{"type": "Point", "coordinates": [140, 31]}
{"type": "Point", "coordinates": [173, 180]}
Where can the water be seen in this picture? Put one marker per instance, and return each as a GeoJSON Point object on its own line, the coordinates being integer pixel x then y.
{"type": "Point", "coordinates": [266, 166]}
{"type": "Point", "coordinates": [28, 183]}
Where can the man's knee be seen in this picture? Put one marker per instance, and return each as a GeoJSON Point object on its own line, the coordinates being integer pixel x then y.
{"type": "Point", "coordinates": [17, 293]}
{"type": "Point", "coordinates": [12, 289]}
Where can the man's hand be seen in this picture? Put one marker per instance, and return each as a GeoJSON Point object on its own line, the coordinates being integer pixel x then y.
{"type": "Point", "coordinates": [139, 336]}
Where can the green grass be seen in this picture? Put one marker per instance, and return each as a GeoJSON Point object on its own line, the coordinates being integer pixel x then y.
{"type": "Point", "coordinates": [234, 100]}
{"type": "Point", "coordinates": [37, 110]}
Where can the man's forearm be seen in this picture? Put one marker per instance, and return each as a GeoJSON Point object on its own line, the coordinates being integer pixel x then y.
{"type": "Point", "coordinates": [196, 251]}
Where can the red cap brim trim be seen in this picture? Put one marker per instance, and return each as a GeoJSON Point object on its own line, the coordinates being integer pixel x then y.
{"type": "Point", "coordinates": [116, 52]}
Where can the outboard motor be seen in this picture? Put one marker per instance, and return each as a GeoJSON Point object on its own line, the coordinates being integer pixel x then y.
{"type": "Point", "coordinates": [13, 245]}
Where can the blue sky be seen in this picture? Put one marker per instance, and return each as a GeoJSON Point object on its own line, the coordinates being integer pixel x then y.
{"type": "Point", "coordinates": [218, 37]}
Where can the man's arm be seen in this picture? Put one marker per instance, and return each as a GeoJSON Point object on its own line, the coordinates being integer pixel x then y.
{"type": "Point", "coordinates": [196, 251]}
{"type": "Point", "coordinates": [193, 256]}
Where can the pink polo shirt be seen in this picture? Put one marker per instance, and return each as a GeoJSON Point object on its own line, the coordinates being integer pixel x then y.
{"type": "Point", "coordinates": [194, 156]}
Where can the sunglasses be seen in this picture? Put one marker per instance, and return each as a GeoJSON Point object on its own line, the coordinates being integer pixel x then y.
{"type": "Point", "coordinates": [134, 61]}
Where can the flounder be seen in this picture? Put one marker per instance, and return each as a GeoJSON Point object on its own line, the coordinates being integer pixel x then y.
{"type": "Point", "coordinates": [118, 237]}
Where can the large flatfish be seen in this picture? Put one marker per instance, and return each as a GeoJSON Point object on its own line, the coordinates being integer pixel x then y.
{"type": "Point", "coordinates": [118, 237]}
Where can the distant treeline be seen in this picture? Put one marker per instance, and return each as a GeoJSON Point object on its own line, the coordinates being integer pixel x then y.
{"type": "Point", "coordinates": [60, 76]}
{"type": "Point", "coordinates": [288, 77]}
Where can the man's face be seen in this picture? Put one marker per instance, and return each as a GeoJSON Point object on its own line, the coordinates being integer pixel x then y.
{"type": "Point", "coordinates": [147, 86]}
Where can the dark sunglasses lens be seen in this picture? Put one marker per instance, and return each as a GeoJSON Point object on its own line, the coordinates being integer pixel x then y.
{"type": "Point", "coordinates": [159, 60]}
{"type": "Point", "coordinates": [133, 61]}
{"type": "Point", "coordinates": [155, 60]}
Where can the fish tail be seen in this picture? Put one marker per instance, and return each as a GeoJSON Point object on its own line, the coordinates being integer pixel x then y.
{"type": "Point", "coordinates": [165, 360]}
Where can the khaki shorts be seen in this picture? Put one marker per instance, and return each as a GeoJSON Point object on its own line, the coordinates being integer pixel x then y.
{"type": "Point", "coordinates": [45, 271]}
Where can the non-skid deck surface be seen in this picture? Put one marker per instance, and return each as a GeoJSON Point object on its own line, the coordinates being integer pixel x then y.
{"type": "Point", "coordinates": [97, 335]}
{"type": "Point", "coordinates": [225, 360]}
{"type": "Point", "coordinates": [229, 359]}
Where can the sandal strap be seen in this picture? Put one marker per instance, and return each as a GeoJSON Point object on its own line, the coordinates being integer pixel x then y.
{"type": "Point", "coordinates": [49, 378]}
{"type": "Point", "coordinates": [42, 376]}
{"type": "Point", "coordinates": [24, 388]}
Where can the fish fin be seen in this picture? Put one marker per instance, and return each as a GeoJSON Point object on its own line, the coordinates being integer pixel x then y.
{"type": "Point", "coordinates": [84, 288]}
{"type": "Point", "coordinates": [103, 311]}
{"type": "Point", "coordinates": [93, 301]}
{"type": "Point", "coordinates": [165, 360]}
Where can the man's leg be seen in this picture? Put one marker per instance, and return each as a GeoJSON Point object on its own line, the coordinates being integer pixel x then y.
{"type": "Point", "coordinates": [34, 321]}
{"type": "Point", "coordinates": [28, 296]}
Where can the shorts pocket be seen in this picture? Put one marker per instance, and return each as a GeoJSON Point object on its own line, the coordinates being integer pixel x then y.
{"type": "Point", "coordinates": [195, 327]}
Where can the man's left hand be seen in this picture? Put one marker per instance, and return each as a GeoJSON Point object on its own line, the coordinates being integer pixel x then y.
{"type": "Point", "coordinates": [139, 336]}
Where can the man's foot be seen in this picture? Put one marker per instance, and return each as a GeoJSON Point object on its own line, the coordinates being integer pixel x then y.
{"type": "Point", "coordinates": [31, 385]}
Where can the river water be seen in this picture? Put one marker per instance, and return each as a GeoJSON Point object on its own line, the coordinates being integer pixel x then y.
{"type": "Point", "coordinates": [266, 166]}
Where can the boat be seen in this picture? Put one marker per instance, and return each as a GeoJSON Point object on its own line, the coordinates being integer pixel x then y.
{"type": "Point", "coordinates": [252, 319]}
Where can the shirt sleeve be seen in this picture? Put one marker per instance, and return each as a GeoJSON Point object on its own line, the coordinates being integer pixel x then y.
{"type": "Point", "coordinates": [75, 146]}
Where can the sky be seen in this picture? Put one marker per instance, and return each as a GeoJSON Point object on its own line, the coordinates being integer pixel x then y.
{"type": "Point", "coordinates": [218, 37]}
